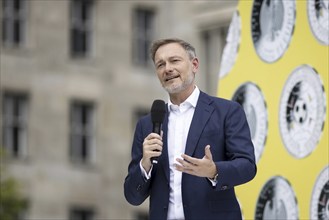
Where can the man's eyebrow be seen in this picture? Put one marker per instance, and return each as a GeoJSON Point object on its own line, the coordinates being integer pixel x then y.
{"type": "Point", "coordinates": [170, 58]}
{"type": "Point", "coordinates": [159, 61]}
{"type": "Point", "coordinates": [175, 57]}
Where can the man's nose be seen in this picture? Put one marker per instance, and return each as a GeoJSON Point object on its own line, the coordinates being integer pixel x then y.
{"type": "Point", "coordinates": [169, 67]}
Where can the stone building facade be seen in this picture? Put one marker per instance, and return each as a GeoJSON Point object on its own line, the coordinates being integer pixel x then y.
{"type": "Point", "coordinates": [75, 76]}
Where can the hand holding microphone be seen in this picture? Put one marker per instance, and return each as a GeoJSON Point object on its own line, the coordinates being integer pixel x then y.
{"type": "Point", "coordinates": [152, 145]}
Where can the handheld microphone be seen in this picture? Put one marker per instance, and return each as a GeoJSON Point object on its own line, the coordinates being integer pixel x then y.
{"type": "Point", "coordinates": [158, 112]}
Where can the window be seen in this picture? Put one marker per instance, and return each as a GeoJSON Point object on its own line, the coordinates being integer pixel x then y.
{"type": "Point", "coordinates": [14, 124]}
{"type": "Point", "coordinates": [141, 215]}
{"type": "Point", "coordinates": [143, 34]}
{"type": "Point", "coordinates": [13, 22]}
{"type": "Point", "coordinates": [81, 25]}
{"type": "Point", "coordinates": [213, 43]}
{"type": "Point", "coordinates": [81, 214]}
{"type": "Point", "coordinates": [82, 132]}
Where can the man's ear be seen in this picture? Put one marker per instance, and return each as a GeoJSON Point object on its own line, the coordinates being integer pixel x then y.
{"type": "Point", "coordinates": [195, 64]}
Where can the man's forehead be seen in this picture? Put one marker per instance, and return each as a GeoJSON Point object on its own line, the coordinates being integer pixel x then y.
{"type": "Point", "coordinates": [171, 45]}
{"type": "Point", "coordinates": [170, 50]}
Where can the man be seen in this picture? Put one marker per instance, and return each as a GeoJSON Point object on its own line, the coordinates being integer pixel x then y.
{"type": "Point", "coordinates": [204, 149]}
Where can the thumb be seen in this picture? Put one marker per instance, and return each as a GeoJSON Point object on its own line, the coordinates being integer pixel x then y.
{"type": "Point", "coordinates": [207, 151]}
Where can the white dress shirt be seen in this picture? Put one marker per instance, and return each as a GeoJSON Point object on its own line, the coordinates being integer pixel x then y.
{"type": "Point", "coordinates": [179, 122]}
{"type": "Point", "coordinates": [180, 118]}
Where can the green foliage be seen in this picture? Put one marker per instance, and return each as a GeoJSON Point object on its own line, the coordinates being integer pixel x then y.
{"type": "Point", "coordinates": [11, 202]}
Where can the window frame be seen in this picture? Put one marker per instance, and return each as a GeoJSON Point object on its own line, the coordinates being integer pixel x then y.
{"type": "Point", "coordinates": [78, 210]}
{"type": "Point", "coordinates": [15, 125]}
{"type": "Point", "coordinates": [13, 23]}
{"type": "Point", "coordinates": [81, 28]}
{"type": "Point", "coordinates": [143, 23]}
{"type": "Point", "coordinates": [82, 143]}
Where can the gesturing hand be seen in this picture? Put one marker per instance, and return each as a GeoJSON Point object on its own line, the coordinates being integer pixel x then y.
{"type": "Point", "coordinates": [152, 147]}
{"type": "Point", "coordinates": [204, 167]}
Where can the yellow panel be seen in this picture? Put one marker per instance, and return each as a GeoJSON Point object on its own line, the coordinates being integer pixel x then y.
{"type": "Point", "coordinates": [304, 48]}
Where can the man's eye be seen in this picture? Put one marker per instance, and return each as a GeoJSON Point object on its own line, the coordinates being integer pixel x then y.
{"type": "Point", "coordinates": [176, 61]}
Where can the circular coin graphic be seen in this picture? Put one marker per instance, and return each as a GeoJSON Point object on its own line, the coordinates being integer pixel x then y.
{"type": "Point", "coordinates": [302, 111]}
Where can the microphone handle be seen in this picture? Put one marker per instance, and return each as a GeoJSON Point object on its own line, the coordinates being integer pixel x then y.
{"type": "Point", "coordinates": [156, 129]}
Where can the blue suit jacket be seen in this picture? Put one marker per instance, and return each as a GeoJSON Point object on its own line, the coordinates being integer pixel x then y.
{"type": "Point", "coordinates": [218, 122]}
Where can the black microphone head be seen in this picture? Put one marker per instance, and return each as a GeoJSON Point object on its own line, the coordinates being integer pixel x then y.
{"type": "Point", "coordinates": [158, 111]}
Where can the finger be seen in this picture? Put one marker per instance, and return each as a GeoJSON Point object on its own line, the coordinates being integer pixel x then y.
{"type": "Point", "coordinates": [153, 136]}
{"type": "Point", "coordinates": [186, 165]}
{"type": "Point", "coordinates": [179, 167]}
{"type": "Point", "coordinates": [208, 153]}
{"type": "Point", "coordinates": [150, 151]}
{"type": "Point", "coordinates": [182, 162]}
{"type": "Point", "coordinates": [155, 153]}
{"type": "Point", "coordinates": [155, 148]}
{"type": "Point", "coordinates": [154, 142]}
{"type": "Point", "coordinates": [156, 135]}
{"type": "Point", "coordinates": [183, 169]}
{"type": "Point", "coordinates": [191, 160]}
{"type": "Point", "coordinates": [151, 148]}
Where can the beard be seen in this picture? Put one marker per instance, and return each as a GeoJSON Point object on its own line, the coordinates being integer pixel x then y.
{"type": "Point", "coordinates": [179, 87]}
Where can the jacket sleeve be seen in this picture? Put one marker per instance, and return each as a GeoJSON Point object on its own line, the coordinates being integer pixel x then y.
{"type": "Point", "coordinates": [136, 187]}
{"type": "Point", "coordinates": [240, 166]}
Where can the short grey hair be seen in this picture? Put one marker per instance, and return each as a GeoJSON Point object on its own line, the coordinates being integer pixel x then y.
{"type": "Point", "coordinates": [158, 43]}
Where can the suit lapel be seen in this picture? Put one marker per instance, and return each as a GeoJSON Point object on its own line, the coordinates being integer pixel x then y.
{"type": "Point", "coordinates": [200, 118]}
{"type": "Point", "coordinates": [165, 161]}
